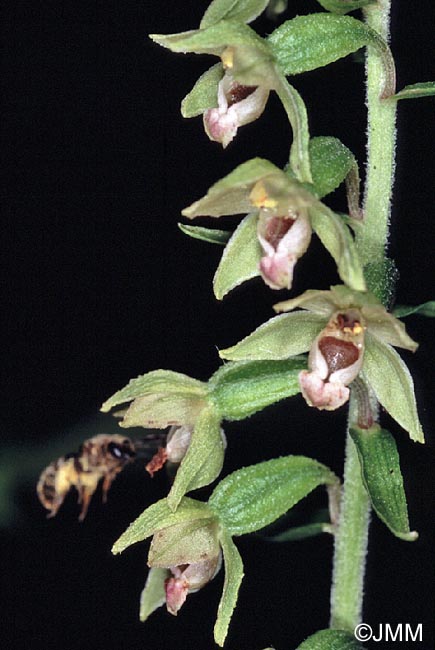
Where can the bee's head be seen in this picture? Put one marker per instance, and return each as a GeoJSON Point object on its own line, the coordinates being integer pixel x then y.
{"type": "Point", "coordinates": [122, 450]}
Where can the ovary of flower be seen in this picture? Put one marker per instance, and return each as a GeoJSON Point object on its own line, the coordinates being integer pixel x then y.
{"type": "Point", "coordinates": [187, 579]}
{"type": "Point", "coordinates": [237, 105]}
{"type": "Point", "coordinates": [335, 360]}
{"type": "Point", "coordinates": [284, 240]}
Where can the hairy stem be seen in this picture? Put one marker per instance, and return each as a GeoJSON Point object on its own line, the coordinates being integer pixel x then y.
{"type": "Point", "coordinates": [350, 546]}
{"type": "Point", "coordinates": [352, 532]}
{"type": "Point", "coordinates": [372, 239]}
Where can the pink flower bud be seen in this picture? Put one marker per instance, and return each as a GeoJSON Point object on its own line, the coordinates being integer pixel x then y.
{"type": "Point", "coordinates": [177, 444]}
{"type": "Point", "coordinates": [237, 105]}
{"type": "Point", "coordinates": [334, 361]}
{"type": "Point", "coordinates": [284, 239]}
{"type": "Point", "coordinates": [187, 579]}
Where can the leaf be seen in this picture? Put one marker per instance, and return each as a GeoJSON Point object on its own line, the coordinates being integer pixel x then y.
{"type": "Point", "coordinates": [380, 469]}
{"type": "Point", "coordinates": [241, 258]}
{"type": "Point", "coordinates": [331, 640]}
{"type": "Point", "coordinates": [280, 337]}
{"type": "Point", "coordinates": [157, 381]}
{"type": "Point", "coordinates": [425, 309]}
{"type": "Point", "coordinates": [414, 91]}
{"type": "Point", "coordinates": [337, 240]}
{"type": "Point", "coordinates": [242, 10]}
{"type": "Point", "coordinates": [230, 195]}
{"type": "Point", "coordinates": [392, 383]}
{"type": "Point", "coordinates": [344, 6]}
{"type": "Point", "coordinates": [204, 93]}
{"type": "Point", "coordinates": [255, 496]}
{"type": "Point", "coordinates": [159, 516]}
{"type": "Point", "coordinates": [153, 595]}
{"type": "Point", "coordinates": [203, 460]}
{"type": "Point", "coordinates": [297, 115]}
{"type": "Point", "coordinates": [215, 39]}
{"type": "Point", "coordinates": [242, 388]}
{"type": "Point", "coordinates": [313, 41]}
{"type": "Point", "coordinates": [233, 578]}
{"type": "Point", "coordinates": [331, 162]}
{"type": "Point", "coordinates": [210, 235]}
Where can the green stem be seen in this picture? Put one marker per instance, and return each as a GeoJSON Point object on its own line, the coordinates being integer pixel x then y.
{"type": "Point", "coordinates": [350, 546]}
{"type": "Point", "coordinates": [372, 239]}
{"type": "Point", "coordinates": [352, 531]}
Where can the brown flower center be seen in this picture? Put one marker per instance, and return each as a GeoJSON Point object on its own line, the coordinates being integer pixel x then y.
{"type": "Point", "coordinates": [337, 354]}
{"type": "Point", "coordinates": [238, 92]}
{"type": "Point", "coordinates": [276, 228]}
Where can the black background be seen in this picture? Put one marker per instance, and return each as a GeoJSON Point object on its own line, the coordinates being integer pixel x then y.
{"type": "Point", "coordinates": [100, 286]}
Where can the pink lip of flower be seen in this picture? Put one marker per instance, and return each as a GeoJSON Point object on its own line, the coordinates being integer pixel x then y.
{"type": "Point", "coordinates": [284, 239]}
{"type": "Point", "coordinates": [237, 105]}
{"type": "Point", "coordinates": [335, 360]}
{"type": "Point", "coordinates": [187, 579]}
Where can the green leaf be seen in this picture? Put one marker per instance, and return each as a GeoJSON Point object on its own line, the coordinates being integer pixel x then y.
{"type": "Point", "coordinates": [255, 496]}
{"type": "Point", "coordinates": [210, 235]}
{"type": "Point", "coordinates": [302, 532]}
{"type": "Point", "coordinates": [297, 115]}
{"type": "Point", "coordinates": [244, 11]}
{"type": "Point", "coordinates": [380, 469]}
{"type": "Point", "coordinates": [280, 337]}
{"type": "Point", "coordinates": [153, 595]}
{"type": "Point", "coordinates": [425, 309]}
{"type": "Point", "coordinates": [230, 195]}
{"type": "Point", "coordinates": [251, 60]}
{"type": "Point", "coordinates": [188, 542]}
{"type": "Point", "coordinates": [159, 516]}
{"type": "Point", "coordinates": [414, 91]}
{"type": "Point", "coordinates": [331, 640]}
{"type": "Point", "coordinates": [204, 93]}
{"type": "Point", "coordinates": [242, 388]}
{"type": "Point", "coordinates": [157, 381]}
{"type": "Point", "coordinates": [203, 460]}
{"type": "Point", "coordinates": [241, 258]}
{"type": "Point", "coordinates": [336, 238]}
{"type": "Point", "coordinates": [233, 578]}
{"type": "Point", "coordinates": [344, 6]}
{"type": "Point", "coordinates": [392, 383]}
{"type": "Point", "coordinates": [331, 162]}
{"type": "Point", "coordinates": [313, 41]}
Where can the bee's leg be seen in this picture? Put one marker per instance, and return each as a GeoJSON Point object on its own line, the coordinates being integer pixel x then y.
{"type": "Point", "coordinates": [85, 496]}
{"type": "Point", "coordinates": [108, 480]}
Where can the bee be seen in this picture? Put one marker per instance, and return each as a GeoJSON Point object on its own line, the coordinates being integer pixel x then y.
{"type": "Point", "coordinates": [102, 457]}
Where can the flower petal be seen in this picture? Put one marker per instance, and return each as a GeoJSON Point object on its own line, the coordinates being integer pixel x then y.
{"type": "Point", "coordinates": [392, 383]}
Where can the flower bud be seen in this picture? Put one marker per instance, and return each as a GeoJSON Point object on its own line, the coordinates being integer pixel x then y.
{"type": "Point", "coordinates": [191, 552]}
{"type": "Point", "coordinates": [334, 361]}
{"type": "Point", "coordinates": [237, 105]}
{"type": "Point", "coordinates": [186, 579]}
{"type": "Point", "coordinates": [177, 444]}
{"type": "Point", "coordinates": [284, 239]}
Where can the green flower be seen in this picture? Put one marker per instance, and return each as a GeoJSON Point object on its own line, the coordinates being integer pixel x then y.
{"type": "Point", "coordinates": [277, 230]}
{"type": "Point", "coordinates": [347, 333]}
